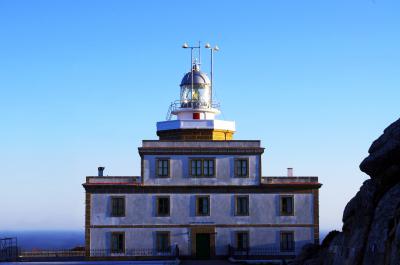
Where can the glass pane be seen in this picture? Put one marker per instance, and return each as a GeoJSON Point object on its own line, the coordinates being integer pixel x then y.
{"type": "Point", "coordinates": [205, 205]}
{"type": "Point", "coordinates": [289, 205]}
{"type": "Point", "coordinates": [205, 167]}
{"type": "Point", "coordinates": [193, 173]}
{"type": "Point", "coordinates": [186, 94]}
{"type": "Point", "coordinates": [198, 167]}
{"type": "Point", "coordinates": [244, 167]}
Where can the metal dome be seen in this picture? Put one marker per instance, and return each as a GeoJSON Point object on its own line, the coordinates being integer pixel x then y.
{"type": "Point", "coordinates": [199, 78]}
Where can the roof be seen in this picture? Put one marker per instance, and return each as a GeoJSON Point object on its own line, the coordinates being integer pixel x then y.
{"type": "Point", "coordinates": [198, 78]}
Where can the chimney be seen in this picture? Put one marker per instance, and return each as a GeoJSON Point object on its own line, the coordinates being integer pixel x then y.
{"type": "Point", "coordinates": [100, 169]}
{"type": "Point", "coordinates": [290, 172]}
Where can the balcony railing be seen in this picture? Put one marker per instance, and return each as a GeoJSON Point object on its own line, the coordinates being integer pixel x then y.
{"type": "Point", "coordinates": [193, 104]}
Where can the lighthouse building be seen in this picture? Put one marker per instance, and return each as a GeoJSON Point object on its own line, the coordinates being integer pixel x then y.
{"type": "Point", "coordinates": [201, 194]}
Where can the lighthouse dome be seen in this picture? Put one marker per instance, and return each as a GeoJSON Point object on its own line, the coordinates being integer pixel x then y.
{"type": "Point", "coordinates": [199, 78]}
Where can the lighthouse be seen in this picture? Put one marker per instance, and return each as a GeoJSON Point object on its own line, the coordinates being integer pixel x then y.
{"type": "Point", "coordinates": [193, 115]}
{"type": "Point", "coordinates": [200, 193]}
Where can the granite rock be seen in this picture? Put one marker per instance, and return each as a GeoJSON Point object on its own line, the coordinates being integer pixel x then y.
{"type": "Point", "coordinates": [371, 219]}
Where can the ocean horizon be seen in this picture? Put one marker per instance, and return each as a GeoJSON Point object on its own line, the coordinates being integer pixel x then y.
{"type": "Point", "coordinates": [29, 240]}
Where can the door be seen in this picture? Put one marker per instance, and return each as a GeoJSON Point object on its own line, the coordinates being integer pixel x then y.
{"type": "Point", "coordinates": [203, 250]}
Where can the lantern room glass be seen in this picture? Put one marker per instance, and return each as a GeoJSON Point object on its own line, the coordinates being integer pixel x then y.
{"type": "Point", "coordinates": [198, 96]}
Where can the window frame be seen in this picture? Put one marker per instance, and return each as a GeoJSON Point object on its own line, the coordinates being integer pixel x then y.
{"type": "Point", "coordinates": [158, 214]}
{"type": "Point", "coordinates": [112, 213]}
{"type": "Point", "coordinates": [159, 159]}
{"type": "Point", "coordinates": [202, 159]}
{"type": "Point", "coordinates": [112, 249]}
{"type": "Point", "coordinates": [247, 167]}
{"type": "Point", "coordinates": [237, 213]}
{"type": "Point", "coordinates": [198, 197]}
{"type": "Point", "coordinates": [281, 210]}
{"type": "Point", "coordinates": [157, 243]}
{"type": "Point", "coordinates": [292, 243]}
{"type": "Point", "coordinates": [243, 232]}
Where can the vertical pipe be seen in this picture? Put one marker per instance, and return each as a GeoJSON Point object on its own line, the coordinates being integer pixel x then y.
{"type": "Point", "coordinates": [212, 80]}
{"type": "Point", "coordinates": [199, 53]}
{"type": "Point", "coordinates": [191, 69]}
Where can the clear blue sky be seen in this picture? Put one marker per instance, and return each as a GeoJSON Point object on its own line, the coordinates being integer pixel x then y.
{"type": "Point", "coordinates": [83, 82]}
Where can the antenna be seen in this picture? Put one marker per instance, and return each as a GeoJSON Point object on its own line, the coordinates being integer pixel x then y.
{"type": "Point", "coordinates": [212, 50]}
{"type": "Point", "coordinates": [186, 46]}
{"type": "Point", "coordinates": [199, 53]}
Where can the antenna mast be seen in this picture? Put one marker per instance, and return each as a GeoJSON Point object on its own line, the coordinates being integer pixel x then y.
{"type": "Point", "coordinates": [212, 50]}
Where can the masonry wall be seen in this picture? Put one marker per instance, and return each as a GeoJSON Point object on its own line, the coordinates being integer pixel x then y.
{"type": "Point", "coordinates": [141, 209]}
{"type": "Point", "coordinates": [144, 238]}
{"type": "Point", "coordinates": [180, 166]}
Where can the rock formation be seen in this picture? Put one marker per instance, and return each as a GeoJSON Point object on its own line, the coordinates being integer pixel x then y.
{"type": "Point", "coordinates": [371, 220]}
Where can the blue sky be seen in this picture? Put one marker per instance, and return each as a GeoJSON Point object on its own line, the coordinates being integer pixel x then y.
{"type": "Point", "coordinates": [83, 82]}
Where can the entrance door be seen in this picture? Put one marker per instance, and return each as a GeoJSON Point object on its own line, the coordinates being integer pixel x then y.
{"type": "Point", "coordinates": [203, 250]}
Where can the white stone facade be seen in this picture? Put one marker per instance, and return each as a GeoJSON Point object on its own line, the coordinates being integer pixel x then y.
{"type": "Point", "coordinates": [140, 223]}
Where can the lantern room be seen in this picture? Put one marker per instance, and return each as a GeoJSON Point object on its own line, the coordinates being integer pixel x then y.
{"type": "Point", "coordinates": [193, 116]}
{"type": "Point", "coordinates": [195, 89]}
{"type": "Point", "coordinates": [195, 101]}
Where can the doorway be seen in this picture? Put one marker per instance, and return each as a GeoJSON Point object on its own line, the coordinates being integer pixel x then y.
{"type": "Point", "coordinates": [203, 248]}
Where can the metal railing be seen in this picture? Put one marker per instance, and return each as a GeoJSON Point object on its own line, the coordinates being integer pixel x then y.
{"type": "Point", "coordinates": [192, 104]}
{"type": "Point", "coordinates": [260, 252]}
{"type": "Point", "coordinates": [8, 249]}
{"type": "Point", "coordinates": [136, 252]}
{"type": "Point", "coordinates": [131, 252]}
{"type": "Point", "coordinates": [52, 253]}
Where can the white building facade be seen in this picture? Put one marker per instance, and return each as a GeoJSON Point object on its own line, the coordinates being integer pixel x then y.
{"type": "Point", "coordinates": [200, 193]}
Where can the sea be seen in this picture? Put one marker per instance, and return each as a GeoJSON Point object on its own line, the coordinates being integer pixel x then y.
{"type": "Point", "coordinates": [47, 240]}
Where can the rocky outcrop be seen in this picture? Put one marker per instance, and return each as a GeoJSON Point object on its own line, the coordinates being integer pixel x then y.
{"type": "Point", "coordinates": [371, 220]}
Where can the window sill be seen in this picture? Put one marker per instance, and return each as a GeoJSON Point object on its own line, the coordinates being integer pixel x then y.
{"type": "Point", "coordinates": [286, 214]}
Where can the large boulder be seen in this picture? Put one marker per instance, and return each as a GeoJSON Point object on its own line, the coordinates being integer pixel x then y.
{"type": "Point", "coordinates": [371, 220]}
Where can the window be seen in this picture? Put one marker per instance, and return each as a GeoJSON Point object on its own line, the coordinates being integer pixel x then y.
{"type": "Point", "coordinates": [195, 167]}
{"type": "Point", "coordinates": [203, 205]}
{"type": "Point", "coordinates": [117, 242]}
{"type": "Point", "coordinates": [242, 240]}
{"type": "Point", "coordinates": [241, 168]}
{"type": "Point", "coordinates": [287, 241]}
{"type": "Point", "coordinates": [162, 206]}
{"type": "Point", "coordinates": [208, 167]}
{"type": "Point", "coordinates": [117, 206]}
{"type": "Point", "coordinates": [202, 167]}
{"type": "Point", "coordinates": [286, 205]}
{"type": "Point", "coordinates": [163, 167]}
{"type": "Point", "coordinates": [242, 205]}
{"type": "Point", "coordinates": [163, 241]}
